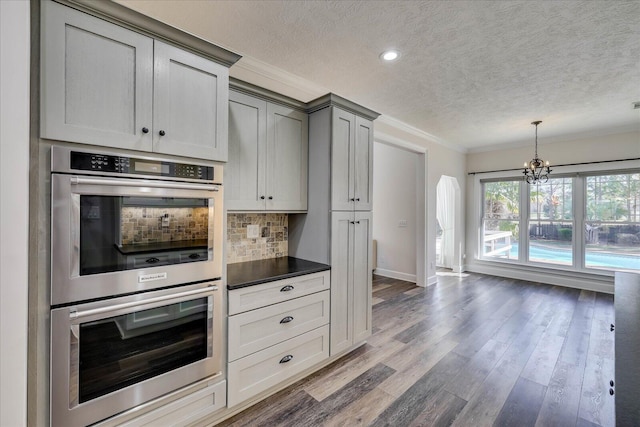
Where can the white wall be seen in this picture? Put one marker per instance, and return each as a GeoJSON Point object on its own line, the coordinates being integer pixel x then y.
{"type": "Point", "coordinates": [441, 160]}
{"type": "Point", "coordinates": [394, 200]}
{"type": "Point", "coordinates": [14, 202]}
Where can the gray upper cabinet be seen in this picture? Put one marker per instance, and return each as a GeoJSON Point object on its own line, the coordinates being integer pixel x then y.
{"type": "Point", "coordinates": [190, 101]}
{"type": "Point", "coordinates": [351, 162]}
{"type": "Point", "coordinates": [268, 156]}
{"type": "Point", "coordinates": [106, 85]}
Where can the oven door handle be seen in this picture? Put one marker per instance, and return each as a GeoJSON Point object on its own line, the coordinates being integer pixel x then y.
{"type": "Point", "coordinates": [73, 314]}
{"type": "Point", "coordinates": [78, 180]}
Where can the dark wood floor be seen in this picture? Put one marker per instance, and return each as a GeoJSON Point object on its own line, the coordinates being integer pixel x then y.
{"type": "Point", "coordinates": [475, 350]}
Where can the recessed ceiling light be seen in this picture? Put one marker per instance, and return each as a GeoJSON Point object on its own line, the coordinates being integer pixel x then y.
{"type": "Point", "coordinates": [390, 55]}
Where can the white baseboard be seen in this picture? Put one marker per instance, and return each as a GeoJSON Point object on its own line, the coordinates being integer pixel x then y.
{"type": "Point", "coordinates": [432, 280]}
{"type": "Point", "coordinates": [395, 275]}
{"type": "Point", "coordinates": [570, 279]}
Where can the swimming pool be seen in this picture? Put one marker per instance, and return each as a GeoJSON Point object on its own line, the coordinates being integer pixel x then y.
{"type": "Point", "coordinates": [593, 259]}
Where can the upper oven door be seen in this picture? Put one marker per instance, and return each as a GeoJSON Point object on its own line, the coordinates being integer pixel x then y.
{"type": "Point", "coordinates": [113, 236]}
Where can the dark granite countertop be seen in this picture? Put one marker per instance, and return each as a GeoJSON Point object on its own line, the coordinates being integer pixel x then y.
{"type": "Point", "coordinates": [175, 245]}
{"type": "Point", "coordinates": [243, 274]}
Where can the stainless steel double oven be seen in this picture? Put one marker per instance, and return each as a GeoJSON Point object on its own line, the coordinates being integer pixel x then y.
{"type": "Point", "coordinates": [136, 291]}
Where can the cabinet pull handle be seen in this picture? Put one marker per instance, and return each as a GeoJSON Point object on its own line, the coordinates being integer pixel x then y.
{"type": "Point", "coordinates": [357, 199]}
{"type": "Point", "coordinates": [611, 392]}
{"type": "Point", "coordinates": [194, 256]}
{"type": "Point", "coordinates": [613, 327]}
{"type": "Point", "coordinates": [286, 319]}
{"type": "Point", "coordinates": [287, 288]}
{"type": "Point", "coordinates": [286, 359]}
{"type": "Point", "coordinates": [611, 383]}
{"type": "Point", "coordinates": [152, 260]}
{"type": "Point", "coordinates": [145, 130]}
{"type": "Point", "coordinates": [162, 133]}
{"type": "Point", "coordinates": [270, 197]}
{"type": "Point", "coordinates": [352, 199]}
{"type": "Point", "coordinates": [357, 222]}
{"type": "Point", "coordinates": [261, 197]}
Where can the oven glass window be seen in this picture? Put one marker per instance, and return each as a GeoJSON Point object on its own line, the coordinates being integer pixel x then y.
{"type": "Point", "coordinates": [125, 233]}
{"type": "Point", "coordinates": [120, 351]}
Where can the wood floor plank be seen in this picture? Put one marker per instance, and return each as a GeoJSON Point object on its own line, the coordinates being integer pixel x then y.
{"type": "Point", "coordinates": [414, 400]}
{"type": "Point", "coordinates": [403, 379]}
{"type": "Point", "coordinates": [486, 403]}
{"type": "Point", "coordinates": [465, 383]}
{"type": "Point", "coordinates": [522, 405]}
{"type": "Point", "coordinates": [440, 410]}
{"type": "Point", "coordinates": [322, 387]}
{"type": "Point", "coordinates": [363, 411]}
{"type": "Point", "coordinates": [317, 414]}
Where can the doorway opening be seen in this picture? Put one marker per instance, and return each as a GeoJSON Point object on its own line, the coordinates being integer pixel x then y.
{"type": "Point", "coordinates": [448, 215]}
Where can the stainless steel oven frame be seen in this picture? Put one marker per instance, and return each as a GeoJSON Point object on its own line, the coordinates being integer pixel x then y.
{"type": "Point", "coordinates": [68, 286]}
{"type": "Point", "coordinates": [65, 330]}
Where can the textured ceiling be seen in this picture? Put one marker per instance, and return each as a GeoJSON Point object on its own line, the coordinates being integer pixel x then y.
{"type": "Point", "coordinates": [472, 73]}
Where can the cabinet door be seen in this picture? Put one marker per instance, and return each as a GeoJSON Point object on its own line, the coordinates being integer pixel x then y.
{"type": "Point", "coordinates": [363, 164]}
{"type": "Point", "coordinates": [342, 152]}
{"type": "Point", "coordinates": [342, 233]}
{"type": "Point", "coordinates": [362, 257]}
{"type": "Point", "coordinates": [287, 158]}
{"type": "Point", "coordinates": [245, 171]}
{"type": "Point", "coordinates": [190, 104]}
{"type": "Point", "coordinates": [96, 81]}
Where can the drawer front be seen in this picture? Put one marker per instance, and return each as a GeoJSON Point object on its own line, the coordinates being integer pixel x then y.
{"type": "Point", "coordinates": [252, 297]}
{"type": "Point", "coordinates": [260, 371]}
{"type": "Point", "coordinates": [261, 328]}
{"type": "Point", "coordinates": [186, 410]}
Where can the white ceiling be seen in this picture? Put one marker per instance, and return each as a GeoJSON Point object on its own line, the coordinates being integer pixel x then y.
{"type": "Point", "coordinates": [472, 73]}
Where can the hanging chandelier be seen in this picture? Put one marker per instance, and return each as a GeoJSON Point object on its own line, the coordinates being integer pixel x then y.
{"type": "Point", "coordinates": [537, 170]}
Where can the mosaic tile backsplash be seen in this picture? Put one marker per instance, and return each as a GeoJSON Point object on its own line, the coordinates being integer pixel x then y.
{"type": "Point", "coordinates": [145, 225]}
{"type": "Point", "coordinates": [273, 240]}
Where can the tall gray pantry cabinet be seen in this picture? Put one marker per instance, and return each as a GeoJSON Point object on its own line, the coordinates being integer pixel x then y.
{"type": "Point", "coordinates": [337, 228]}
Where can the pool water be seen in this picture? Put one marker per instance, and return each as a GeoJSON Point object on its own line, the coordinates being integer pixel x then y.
{"type": "Point", "coordinates": [593, 259]}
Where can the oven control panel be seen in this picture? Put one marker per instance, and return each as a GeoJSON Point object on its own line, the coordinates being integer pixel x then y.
{"type": "Point", "coordinates": [130, 165]}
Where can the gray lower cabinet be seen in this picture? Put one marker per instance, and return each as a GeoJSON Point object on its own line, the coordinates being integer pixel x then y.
{"type": "Point", "coordinates": [106, 85]}
{"type": "Point", "coordinates": [268, 156]}
{"type": "Point", "coordinates": [351, 257]}
{"type": "Point", "coordinates": [276, 331]}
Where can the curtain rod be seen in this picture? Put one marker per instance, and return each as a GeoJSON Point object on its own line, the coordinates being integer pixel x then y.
{"type": "Point", "coordinates": [565, 164]}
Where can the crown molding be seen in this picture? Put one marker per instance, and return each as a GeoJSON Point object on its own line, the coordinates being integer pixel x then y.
{"type": "Point", "coordinates": [265, 94]}
{"type": "Point", "coordinates": [331, 99]}
{"type": "Point", "coordinates": [261, 74]}
{"type": "Point", "coordinates": [397, 124]}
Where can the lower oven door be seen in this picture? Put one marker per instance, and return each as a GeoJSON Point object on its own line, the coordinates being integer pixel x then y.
{"type": "Point", "coordinates": [112, 355]}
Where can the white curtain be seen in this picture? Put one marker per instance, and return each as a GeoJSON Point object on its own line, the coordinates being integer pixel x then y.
{"type": "Point", "coordinates": [446, 215]}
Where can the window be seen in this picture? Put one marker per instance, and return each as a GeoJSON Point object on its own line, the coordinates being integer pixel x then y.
{"type": "Point", "coordinates": [612, 221]}
{"type": "Point", "coordinates": [589, 221]}
{"type": "Point", "coordinates": [551, 222]}
{"type": "Point", "coordinates": [501, 219]}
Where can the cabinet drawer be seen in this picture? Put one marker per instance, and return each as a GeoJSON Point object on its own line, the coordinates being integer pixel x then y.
{"type": "Point", "coordinates": [184, 411]}
{"type": "Point", "coordinates": [260, 371]}
{"type": "Point", "coordinates": [252, 297]}
{"type": "Point", "coordinates": [257, 329]}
